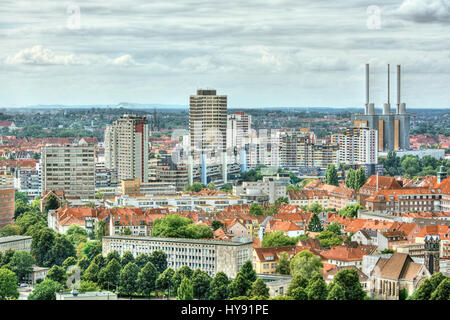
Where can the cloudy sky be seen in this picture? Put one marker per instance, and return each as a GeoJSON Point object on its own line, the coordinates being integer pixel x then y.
{"type": "Point", "coordinates": [261, 53]}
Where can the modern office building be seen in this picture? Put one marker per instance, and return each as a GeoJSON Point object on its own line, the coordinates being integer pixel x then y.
{"type": "Point", "coordinates": [7, 198]}
{"type": "Point", "coordinates": [69, 168]}
{"type": "Point", "coordinates": [393, 128]}
{"type": "Point", "coordinates": [208, 121]}
{"type": "Point", "coordinates": [211, 256]}
{"type": "Point", "coordinates": [358, 145]}
{"type": "Point", "coordinates": [126, 147]}
{"type": "Point", "coordinates": [15, 243]}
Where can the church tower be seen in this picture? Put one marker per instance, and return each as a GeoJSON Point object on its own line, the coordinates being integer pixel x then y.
{"type": "Point", "coordinates": [431, 261]}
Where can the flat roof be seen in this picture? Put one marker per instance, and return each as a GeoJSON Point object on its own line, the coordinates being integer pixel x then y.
{"type": "Point", "coordinates": [184, 240]}
{"type": "Point", "coordinates": [14, 238]}
{"type": "Point", "coordinates": [88, 294]}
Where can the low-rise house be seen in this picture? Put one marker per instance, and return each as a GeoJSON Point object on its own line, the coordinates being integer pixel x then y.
{"type": "Point", "coordinates": [343, 256]}
{"type": "Point", "coordinates": [390, 275]}
{"type": "Point", "coordinates": [366, 237]}
{"type": "Point", "coordinates": [375, 183]}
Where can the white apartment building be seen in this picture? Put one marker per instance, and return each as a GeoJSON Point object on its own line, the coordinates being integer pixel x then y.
{"type": "Point", "coordinates": [179, 202]}
{"type": "Point", "coordinates": [300, 149]}
{"type": "Point", "coordinates": [263, 148]}
{"type": "Point", "coordinates": [239, 125]}
{"type": "Point", "coordinates": [357, 145]}
{"type": "Point", "coordinates": [69, 168]}
{"type": "Point", "coordinates": [211, 256]}
{"type": "Point", "coordinates": [269, 189]}
{"type": "Point", "coordinates": [126, 147]}
{"type": "Point", "coordinates": [28, 181]}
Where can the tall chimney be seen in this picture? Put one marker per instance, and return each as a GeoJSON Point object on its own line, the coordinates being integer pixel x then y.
{"type": "Point", "coordinates": [398, 89]}
{"type": "Point", "coordinates": [387, 106]}
{"type": "Point", "coordinates": [389, 85]}
{"type": "Point", "coordinates": [367, 88]}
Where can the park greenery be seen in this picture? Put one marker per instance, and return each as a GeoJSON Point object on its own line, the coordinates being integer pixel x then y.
{"type": "Point", "coordinates": [412, 166]}
{"type": "Point", "coordinates": [175, 226]}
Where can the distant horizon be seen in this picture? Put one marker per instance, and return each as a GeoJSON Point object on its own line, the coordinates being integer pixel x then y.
{"type": "Point", "coordinates": [174, 106]}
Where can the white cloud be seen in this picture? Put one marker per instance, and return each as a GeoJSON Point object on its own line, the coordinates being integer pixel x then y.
{"type": "Point", "coordinates": [38, 55]}
{"type": "Point", "coordinates": [125, 61]}
{"type": "Point", "coordinates": [423, 11]}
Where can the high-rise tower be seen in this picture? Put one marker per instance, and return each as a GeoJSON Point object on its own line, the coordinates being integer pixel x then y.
{"type": "Point", "coordinates": [126, 147]}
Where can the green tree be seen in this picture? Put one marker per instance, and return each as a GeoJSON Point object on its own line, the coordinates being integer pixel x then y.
{"type": "Point", "coordinates": [88, 286]}
{"type": "Point", "coordinates": [427, 287]}
{"type": "Point", "coordinates": [108, 277]}
{"type": "Point", "coordinates": [240, 286]}
{"type": "Point", "coordinates": [335, 227]}
{"type": "Point", "coordinates": [61, 250]}
{"type": "Point", "coordinates": [83, 263]}
{"type": "Point", "coordinates": [260, 289]}
{"type": "Point", "coordinates": [336, 293]}
{"type": "Point", "coordinates": [201, 282]}
{"type": "Point", "coordinates": [314, 224]}
{"type": "Point", "coordinates": [91, 273]}
{"type": "Point", "coordinates": [8, 284]}
{"type": "Point", "coordinates": [299, 294]}
{"type": "Point", "coordinates": [211, 186]}
{"type": "Point", "coordinates": [100, 229]}
{"type": "Point", "coordinates": [183, 272]}
{"type": "Point", "coordinates": [360, 178]}
{"type": "Point", "coordinates": [216, 224]}
{"type": "Point", "coordinates": [142, 259]}
{"type": "Point", "coordinates": [9, 230]}
{"type": "Point", "coordinates": [159, 260]}
{"type": "Point", "coordinates": [351, 210]}
{"type": "Point", "coordinates": [306, 264]}
{"type": "Point", "coordinates": [256, 210]}
{"type": "Point", "coordinates": [51, 203]}
{"type": "Point", "coordinates": [219, 287]}
{"type": "Point", "coordinates": [442, 291]}
{"type": "Point", "coordinates": [299, 281]}
{"type": "Point", "coordinates": [92, 249]}
{"type": "Point", "coordinates": [147, 279]}
{"type": "Point", "coordinates": [175, 226]}
{"type": "Point", "coordinates": [21, 264]}
{"type": "Point", "coordinates": [185, 291]}
{"type": "Point", "coordinates": [76, 234]}
{"type": "Point", "coordinates": [350, 179]}
{"type": "Point", "coordinates": [58, 274]}
{"type": "Point", "coordinates": [277, 239]}
{"type": "Point", "coordinates": [127, 257]}
{"type": "Point", "coordinates": [41, 246]}
{"type": "Point", "coordinates": [112, 255]}
{"type": "Point", "coordinates": [348, 279]}
{"type": "Point", "coordinates": [70, 261]}
{"type": "Point", "coordinates": [20, 207]}
{"type": "Point", "coordinates": [46, 290]}
{"type": "Point", "coordinates": [21, 196]}
{"type": "Point", "coordinates": [282, 200]}
{"type": "Point", "coordinates": [128, 278]}
{"type": "Point", "coordinates": [196, 187]}
{"type": "Point", "coordinates": [99, 260]}
{"type": "Point", "coordinates": [283, 266]}
{"type": "Point", "coordinates": [248, 272]}
{"type": "Point", "coordinates": [331, 175]}
{"type": "Point", "coordinates": [164, 279]}
{"type": "Point", "coordinates": [329, 239]}
{"type": "Point", "coordinates": [317, 289]}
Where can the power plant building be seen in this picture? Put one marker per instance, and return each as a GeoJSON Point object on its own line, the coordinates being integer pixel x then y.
{"type": "Point", "coordinates": [393, 128]}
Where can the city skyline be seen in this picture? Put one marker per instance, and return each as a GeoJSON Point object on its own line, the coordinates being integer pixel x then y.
{"type": "Point", "coordinates": [280, 54]}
